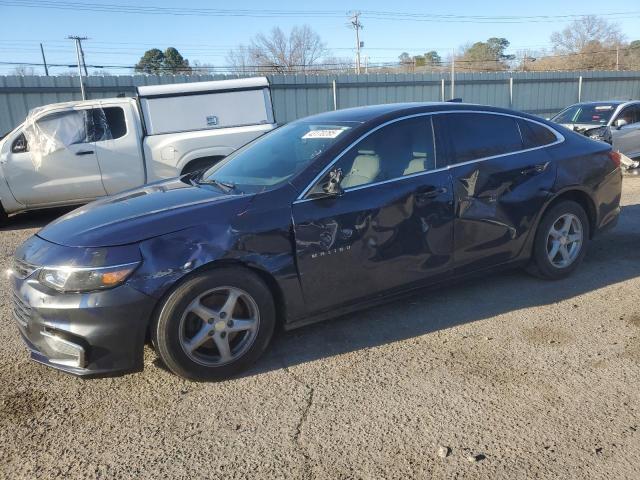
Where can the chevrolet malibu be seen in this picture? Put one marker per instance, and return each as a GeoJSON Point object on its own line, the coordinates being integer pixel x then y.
{"type": "Point", "coordinates": [323, 216]}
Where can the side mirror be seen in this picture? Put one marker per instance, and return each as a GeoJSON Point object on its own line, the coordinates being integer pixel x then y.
{"type": "Point", "coordinates": [19, 144]}
{"type": "Point", "coordinates": [621, 122]}
{"type": "Point", "coordinates": [333, 187]}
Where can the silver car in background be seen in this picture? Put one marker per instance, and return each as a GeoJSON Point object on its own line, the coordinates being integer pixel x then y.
{"type": "Point", "coordinates": [616, 122]}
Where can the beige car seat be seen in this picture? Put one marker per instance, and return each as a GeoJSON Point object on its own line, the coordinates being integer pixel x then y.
{"type": "Point", "coordinates": [365, 169]}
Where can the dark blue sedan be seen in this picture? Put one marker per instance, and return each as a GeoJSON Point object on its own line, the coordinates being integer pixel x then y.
{"type": "Point", "coordinates": [318, 218]}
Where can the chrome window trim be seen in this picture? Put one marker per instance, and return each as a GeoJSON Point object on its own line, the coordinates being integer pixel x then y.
{"type": "Point", "coordinates": [559, 139]}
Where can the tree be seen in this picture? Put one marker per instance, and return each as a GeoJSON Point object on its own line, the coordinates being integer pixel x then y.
{"type": "Point", "coordinates": [405, 59]}
{"type": "Point", "coordinates": [175, 63]}
{"type": "Point", "coordinates": [23, 71]}
{"type": "Point", "coordinates": [487, 55]}
{"type": "Point", "coordinates": [157, 62]}
{"type": "Point", "coordinates": [432, 59]}
{"type": "Point", "coordinates": [585, 31]}
{"type": "Point", "coordinates": [278, 52]}
{"type": "Point", "coordinates": [151, 62]}
{"type": "Point", "coordinates": [588, 43]}
{"type": "Point", "coordinates": [201, 68]}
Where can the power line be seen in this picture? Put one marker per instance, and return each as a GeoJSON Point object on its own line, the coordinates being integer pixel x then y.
{"type": "Point", "coordinates": [270, 13]}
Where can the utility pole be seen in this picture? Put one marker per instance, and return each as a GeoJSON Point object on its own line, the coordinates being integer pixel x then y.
{"type": "Point", "coordinates": [453, 73]}
{"type": "Point", "coordinates": [357, 26]}
{"type": "Point", "coordinates": [617, 57]}
{"type": "Point", "coordinates": [44, 61]}
{"type": "Point", "coordinates": [80, 57]}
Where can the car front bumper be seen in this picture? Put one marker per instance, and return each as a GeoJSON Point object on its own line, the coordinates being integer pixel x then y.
{"type": "Point", "coordinates": [87, 334]}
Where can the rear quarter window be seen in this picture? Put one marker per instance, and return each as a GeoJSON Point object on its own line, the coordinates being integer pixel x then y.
{"type": "Point", "coordinates": [535, 135]}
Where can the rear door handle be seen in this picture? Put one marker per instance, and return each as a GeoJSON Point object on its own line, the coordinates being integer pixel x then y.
{"type": "Point", "coordinates": [534, 169]}
{"type": "Point", "coordinates": [429, 193]}
{"type": "Point", "coordinates": [85, 152]}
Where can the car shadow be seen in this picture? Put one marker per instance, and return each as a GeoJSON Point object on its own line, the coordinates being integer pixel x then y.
{"type": "Point", "coordinates": [613, 257]}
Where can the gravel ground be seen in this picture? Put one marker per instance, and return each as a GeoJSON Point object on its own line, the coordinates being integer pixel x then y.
{"type": "Point", "coordinates": [503, 377]}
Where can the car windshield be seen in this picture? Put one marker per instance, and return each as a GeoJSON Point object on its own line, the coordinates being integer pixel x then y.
{"type": "Point", "coordinates": [275, 157]}
{"type": "Point", "coordinates": [591, 114]}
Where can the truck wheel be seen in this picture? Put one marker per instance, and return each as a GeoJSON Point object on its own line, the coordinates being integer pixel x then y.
{"type": "Point", "coordinates": [200, 164]}
{"type": "Point", "coordinates": [561, 241]}
{"type": "Point", "coordinates": [215, 324]}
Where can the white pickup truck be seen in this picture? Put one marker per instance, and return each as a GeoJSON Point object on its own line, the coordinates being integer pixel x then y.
{"type": "Point", "coordinates": [72, 153]}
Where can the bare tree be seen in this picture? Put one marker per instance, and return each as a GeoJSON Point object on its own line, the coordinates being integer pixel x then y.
{"type": "Point", "coordinates": [586, 31]}
{"type": "Point", "coordinates": [279, 53]}
{"type": "Point", "coordinates": [23, 71]}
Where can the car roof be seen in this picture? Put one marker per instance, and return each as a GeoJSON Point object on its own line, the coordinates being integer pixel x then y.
{"type": "Point", "coordinates": [372, 113]}
{"type": "Point", "coordinates": [615, 103]}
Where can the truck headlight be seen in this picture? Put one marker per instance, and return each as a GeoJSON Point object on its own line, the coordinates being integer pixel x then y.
{"type": "Point", "coordinates": [84, 279]}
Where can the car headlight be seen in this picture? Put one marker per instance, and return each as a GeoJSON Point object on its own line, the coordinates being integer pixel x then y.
{"type": "Point", "coordinates": [84, 279]}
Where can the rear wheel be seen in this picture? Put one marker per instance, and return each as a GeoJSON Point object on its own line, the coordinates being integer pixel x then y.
{"type": "Point", "coordinates": [561, 241]}
{"type": "Point", "coordinates": [215, 324]}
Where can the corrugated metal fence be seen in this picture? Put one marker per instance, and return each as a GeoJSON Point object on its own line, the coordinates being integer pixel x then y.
{"type": "Point", "coordinates": [296, 96]}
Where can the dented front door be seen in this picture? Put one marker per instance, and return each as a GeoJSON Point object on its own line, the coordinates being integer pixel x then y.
{"type": "Point", "coordinates": [374, 239]}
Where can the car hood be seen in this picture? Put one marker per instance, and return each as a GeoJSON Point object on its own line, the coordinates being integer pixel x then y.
{"type": "Point", "coordinates": [580, 127]}
{"type": "Point", "coordinates": [143, 213]}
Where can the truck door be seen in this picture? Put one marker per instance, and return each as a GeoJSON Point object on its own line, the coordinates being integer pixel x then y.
{"type": "Point", "coordinates": [59, 163]}
{"type": "Point", "coordinates": [117, 144]}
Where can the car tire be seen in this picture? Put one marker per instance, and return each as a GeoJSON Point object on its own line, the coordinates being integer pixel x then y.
{"type": "Point", "coordinates": [561, 241]}
{"type": "Point", "coordinates": [200, 335]}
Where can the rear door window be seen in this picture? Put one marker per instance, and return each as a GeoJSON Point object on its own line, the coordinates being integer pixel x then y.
{"type": "Point", "coordinates": [106, 123]}
{"type": "Point", "coordinates": [472, 136]}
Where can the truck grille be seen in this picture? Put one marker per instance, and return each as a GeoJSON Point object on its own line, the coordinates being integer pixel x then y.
{"type": "Point", "coordinates": [21, 311]}
{"type": "Point", "coordinates": [22, 269]}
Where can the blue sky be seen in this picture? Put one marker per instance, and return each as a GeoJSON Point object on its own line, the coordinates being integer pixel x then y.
{"type": "Point", "coordinates": [122, 37]}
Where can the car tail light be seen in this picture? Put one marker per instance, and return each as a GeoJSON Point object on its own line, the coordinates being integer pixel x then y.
{"type": "Point", "coordinates": [615, 158]}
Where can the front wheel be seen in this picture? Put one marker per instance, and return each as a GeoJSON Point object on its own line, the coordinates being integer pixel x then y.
{"type": "Point", "coordinates": [561, 241]}
{"type": "Point", "coordinates": [215, 324]}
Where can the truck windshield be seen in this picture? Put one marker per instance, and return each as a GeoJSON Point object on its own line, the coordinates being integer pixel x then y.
{"type": "Point", "coordinates": [592, 114]}
{"type": "Point", "coordinates": [276, 157]}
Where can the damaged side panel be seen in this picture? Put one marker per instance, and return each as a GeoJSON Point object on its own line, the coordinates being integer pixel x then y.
{"type": "Point", "coordinates": [497, 205]}
{"type": "Point", "coordinates": [253, 240]}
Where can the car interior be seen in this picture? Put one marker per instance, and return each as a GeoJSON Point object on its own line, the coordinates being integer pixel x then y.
{"type": "Point", "coordinates": [392, 152]}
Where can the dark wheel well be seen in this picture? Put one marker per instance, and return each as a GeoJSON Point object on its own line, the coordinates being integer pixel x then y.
{"type": "Point", "coordinates": [581, 198]}
{"type": "Point", "coordinates": [200, 163]}
{"type": "Point", "coordinates": [267, 278]}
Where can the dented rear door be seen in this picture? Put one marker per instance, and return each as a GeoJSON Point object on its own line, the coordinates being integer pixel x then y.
{"type": "Point", "coordinates": [498, 185]}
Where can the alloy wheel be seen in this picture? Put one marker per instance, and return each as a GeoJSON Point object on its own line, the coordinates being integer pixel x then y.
{"type": "Point", "coordinates": [564, 240]}
{"type": "Point", "coordinates": [219, 326]}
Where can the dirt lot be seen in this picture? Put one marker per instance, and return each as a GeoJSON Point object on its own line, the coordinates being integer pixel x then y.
{"type": "Point", "coordinates": [534, 379]}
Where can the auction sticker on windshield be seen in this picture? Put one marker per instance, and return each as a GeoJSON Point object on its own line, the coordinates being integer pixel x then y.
{"type": "Point", "coordinates": [333, 133]}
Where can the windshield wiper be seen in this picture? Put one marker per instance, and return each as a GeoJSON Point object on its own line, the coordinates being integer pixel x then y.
{"type": "Point", "coordinates": [224, 186]}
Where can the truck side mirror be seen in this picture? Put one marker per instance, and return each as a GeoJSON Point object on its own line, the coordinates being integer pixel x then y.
{"type": "Point", "coordinates": [19, 144]}
{"type": "Point", "coordinates": [621, 122]}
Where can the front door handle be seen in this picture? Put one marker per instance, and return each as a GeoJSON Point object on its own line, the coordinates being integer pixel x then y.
{"type": "Point", "coordinates": [85, 152]}
{"type": "Point", "coordinates": [535, 169]}
{"type": "Point", "coordinates": [429, 193]}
